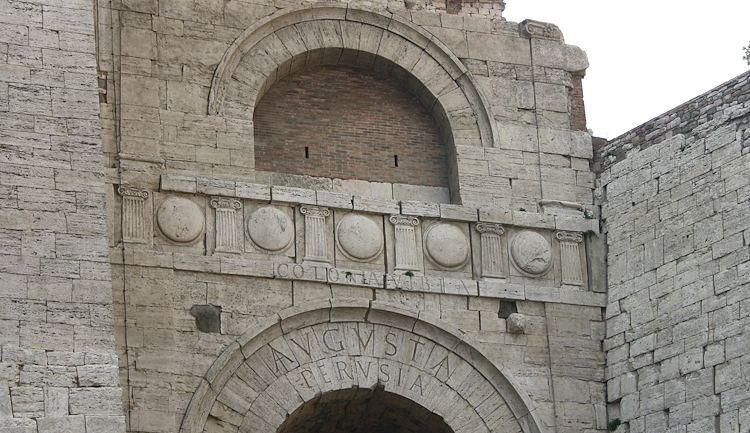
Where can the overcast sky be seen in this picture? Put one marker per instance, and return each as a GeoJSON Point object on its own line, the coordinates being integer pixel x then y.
{"type": "Point", "coordinates": [646, 57]}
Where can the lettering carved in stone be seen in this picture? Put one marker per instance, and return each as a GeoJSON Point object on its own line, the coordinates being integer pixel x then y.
{"type": "Point", "coordinates": [406, 242]}
{"type": "Point", "coordinates": [226, 223]}
{"type": "Point", "coordinates": [531, 253]}
{"type": "Point", "coordinates": [491, 249]}
{"type": "Point", "coordinates": [316, 244]}
{"type": "Point", "coordinates": [134, 220]}
{"type": "Point", "coordinates": [571, 257]}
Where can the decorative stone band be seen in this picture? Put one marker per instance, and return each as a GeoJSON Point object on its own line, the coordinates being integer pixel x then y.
{"type": "Point", "coordinates": [316, 245]}
{"type": "Point", "coordinates": [538, 29]}
{"type": "Point", "coordinates": [135, 226]}
{"type": "Point", "coordinates": [225, 203]}
{"type": "Point", "coordinates": [406, 242]}
{"type": "Point", "coordinates": [132, 191]}
{"type": "Point", "coordinates": [227, 230]}
{"type": "Point", "coordinates": [571, 257]}
{"type": "Point", "coordinates": [491, 249]}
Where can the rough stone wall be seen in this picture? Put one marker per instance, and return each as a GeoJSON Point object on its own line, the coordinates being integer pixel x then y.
{"type": "Point", "coordinates": [59, 368]}
{"type": "Point", "coordinates": [676, 207]}
{"type": "Point", "coordinates": [348, 123]}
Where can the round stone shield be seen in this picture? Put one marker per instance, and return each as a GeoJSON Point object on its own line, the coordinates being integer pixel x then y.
{"type": "Point", "coordinates": [270, 228]}
{"type": "Point", "coordinates": [180, 219]}
{"type": "Point", "coordinates": [531, 252]}
{"type": "Point", "coordinates": [447, 246]}
{"type": "Point", "coordinates": [359, 238]}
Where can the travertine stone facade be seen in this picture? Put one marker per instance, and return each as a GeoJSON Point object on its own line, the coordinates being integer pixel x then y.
{"type": "Point", "coordinates": [59, 368]}
{"type": "Point", "coordinates": [676, 199]}
{"type": "Point", "coordinates": [250, 297]}
{"type": "Point", "coordinates": [214, 254]}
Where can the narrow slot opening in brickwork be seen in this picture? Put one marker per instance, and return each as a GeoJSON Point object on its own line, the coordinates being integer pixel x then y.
{"type": "Point", "coordinates": [358, 121]}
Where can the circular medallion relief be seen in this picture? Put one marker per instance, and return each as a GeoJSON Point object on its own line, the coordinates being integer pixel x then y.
{"type": "Point", "coordinates": [359, 237]}
{"type": "Point", "coordinates": [447, 246]}
{"type": "Point", "coordinates": [180, 219]}
{"type": "Point", "coordinates": [531, 252]}
{"type": "Point", "coordinates": [270, 228]}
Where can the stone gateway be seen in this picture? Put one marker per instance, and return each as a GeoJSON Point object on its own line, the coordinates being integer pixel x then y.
{"type": "Point", "coordinates": [383, 216]}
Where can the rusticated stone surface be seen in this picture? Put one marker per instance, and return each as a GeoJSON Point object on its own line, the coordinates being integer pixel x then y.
{"type": "Point", "coordinates": [58, 371]}
{"type": "Point", "coordinates": [674, 193]}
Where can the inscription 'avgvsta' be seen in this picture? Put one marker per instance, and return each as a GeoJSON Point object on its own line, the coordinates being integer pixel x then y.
{"type": "Point", "coordinates": [363, 354]}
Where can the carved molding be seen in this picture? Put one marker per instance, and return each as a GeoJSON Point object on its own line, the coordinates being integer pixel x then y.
{"type": "Point", "coordinates": [407, 258]}
{"type": "Point", "coordinates": [225, 203]}
{"type": "Point", "coordinates": [531, 253]}
{"type": "Point", "coordinates": [227, 232]}
{"type": "Point", "coordinates": [574, 237]}
{"type": "Point", "coordinates": [490, 228]}
{"type": "Point", "coordinates": [491, 249]}
{"type": "Point", "coordinates": [135, 216]}
{"type": "Point", "coordinates": [316, 239]}
{"type": "Point", "coordinates": [132, 191]}
{"type": "Point", "coordinates": [542, 30]}
{"type": "Point", "coordinates": [570, 256]}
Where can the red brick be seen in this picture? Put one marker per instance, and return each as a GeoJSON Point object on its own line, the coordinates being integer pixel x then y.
{"type": "Point", "coordinates": [353, 122]}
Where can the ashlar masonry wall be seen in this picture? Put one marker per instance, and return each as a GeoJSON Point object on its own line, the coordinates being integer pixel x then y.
{"type": "Point", "coordinates": [675, 203]}
{"type": "Point", "coordinates": [59, 369]}
{"type": "Point", "coordinates": [199, 235]}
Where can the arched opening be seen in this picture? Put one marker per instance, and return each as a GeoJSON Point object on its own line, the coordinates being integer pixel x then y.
{"type": "Point", "coordinates": [345, 122]}
{"type": "Point", "coordinates": [362, 410]}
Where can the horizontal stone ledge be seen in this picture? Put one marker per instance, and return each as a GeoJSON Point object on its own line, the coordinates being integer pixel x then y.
{"type": "Point", "coordinates": [498, 289]}
{"type": "Point", "coordinates": [283, 195]}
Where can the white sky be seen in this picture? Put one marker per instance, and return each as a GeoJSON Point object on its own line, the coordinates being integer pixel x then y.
{"type": "Point", "coordinates": [646, 57]}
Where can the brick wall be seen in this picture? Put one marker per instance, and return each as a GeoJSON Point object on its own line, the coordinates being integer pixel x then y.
{"type": "Point", "coordinates": [577, 108]}
{"type": "Point", "coordinates": [59, 368]}
{"type": "Point", "coordinates": [676, 199]}
{"type": "Point", "coordinates": [353, 123]}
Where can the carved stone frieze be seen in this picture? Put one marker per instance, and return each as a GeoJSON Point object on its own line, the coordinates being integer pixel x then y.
{"type": "Point", "coordinates": [135, 221]}
{"type": "Point", "coordinates": [531, 253]}
{"type": "Point", "coordinates": [447, 246]}
{"type": "Point", "coordinates": [491, 249]}
{"type": "Point", "coordinates": [180, 219]}
{"type": "Point", "coordinates": [538, 29]}
{"type": "Point", "coordinates": [316, 241]}
{"type": "Point", "coordinates": [270, 229]}
{"type": "Point", "coordinates": [570, 256]}
{"type": "Point", "coordinates": [406, 242]}
{"type": "Point", "coordinates": [227, 232]}
{"type": "Point", "coordinates": [359, 238]}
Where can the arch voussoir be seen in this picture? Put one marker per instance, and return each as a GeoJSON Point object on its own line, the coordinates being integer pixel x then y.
{"type": "Point", "coordinates": [302, 353]}
{"type": "Point", "coordinates": [275, 46]}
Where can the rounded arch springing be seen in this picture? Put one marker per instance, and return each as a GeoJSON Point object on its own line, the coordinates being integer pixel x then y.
{"type": "Point", "coordinates": [274, 365]}
{"type": "Point", "coordinates": [323, 34]}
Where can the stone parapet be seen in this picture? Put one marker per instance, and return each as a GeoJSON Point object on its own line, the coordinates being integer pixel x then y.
{"type": "Point", "coordinates": [729, 99]}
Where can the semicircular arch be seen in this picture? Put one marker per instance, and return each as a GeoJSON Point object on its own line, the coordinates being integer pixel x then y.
{"type": "Point", "coordinates": [302, 353]}
{"type": "Point", "coordinates": [292, 39]}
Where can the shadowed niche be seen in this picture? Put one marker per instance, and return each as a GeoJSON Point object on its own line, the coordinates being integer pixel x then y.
{"type": "Point", "coordinates": [363, 410]}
